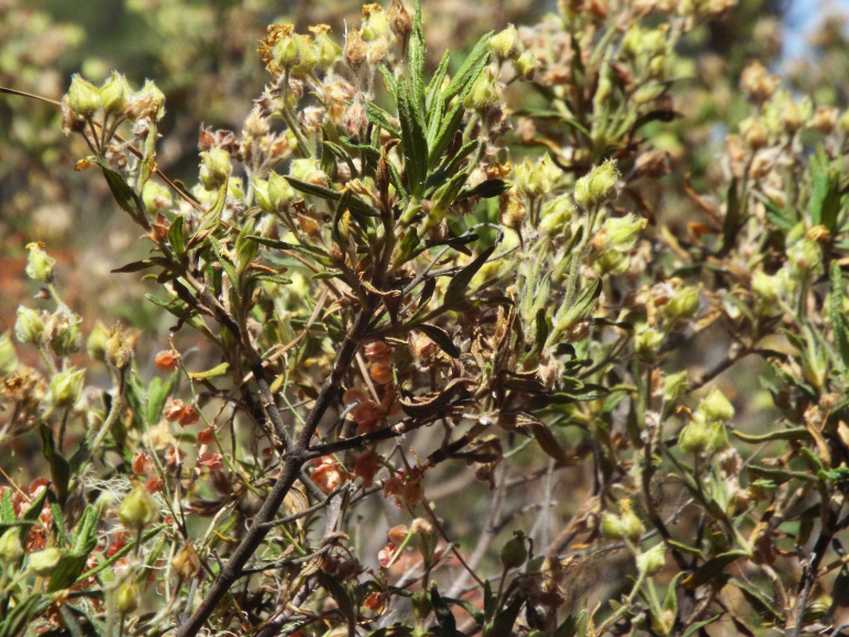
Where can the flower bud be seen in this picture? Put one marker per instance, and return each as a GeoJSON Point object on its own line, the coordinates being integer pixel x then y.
{"type": "Point", "coordinates": [536, 178]}
{"type": "Point", "coordinates": [157, 197]}
{"type": "Point", "coordinates": [483, 94]}
{"type": "Point", "coordinates": [66, 386]}
{"type": "Point", "coordinates": [29, 326]}
{"type": "Point", "coordinates": [62, 332]}
{"type": "Point", "coordinates": [683, 303]}
{"type": "Point", "coordinates": [597, 185]}
{"type": "Point", "coordinates": [148, 103]}
{"type": "Point", "coordinates": [39, 263]}
{"type": "Point", "coordinates": [355, 49]}
{"type": "Point", "coordinates": [11, 549]}
{"type": "Point", "coordinates": [127, 599]}
{"type": "Point", "coordinates": [757, 82]}
{"type": "Point", "coordinates": [307, 55]}
{"type": "Point", "coordinates": [114, 93]}
{"type": "Point", "coordinates": [647, 340]}
{"type": "Point", "coordinates": [326, 48]}
{"type": "Point", "coordinates": [43, 562]}
{"type": "Point", "coordinates": [674, 385]}
{"type": "Point", "coordinates": [376, 24]}
{"type": "Point", "coordinates": [399, 20]}
{"type": "Point", "coordinates": [556, 215]}
{"type": "Point", "coordinates": [514, 552]}
{"type": "Point", "coordinates": [767, 288]}
{"type": "Point", "coordinates": [280, 191]}
{"type": "Point", "coordinates": [186, 562]}
{"type": "Point", "coordinates": [215, 168]}
{"type": "Point", "coordinates": [611, 526]}
{"type": "Point", "coordinates": [304, 169]}
{"type": "Point", "coordinates": [702, 436]}
{"type": "Point", "coordinates": [632, 526]}
{"type": "Point", "coordinates": [119, 348]}
{"type": "Point", "coordinates": [805, 255]}
{"type": "Point", "coordinates": [526, 64]}
{"type": "Point", "coordinates": [138, 509]}
{"type": "Point", "coordinates": [8, 356]}
{"type": "Point", "coordinates": [651, 561]}
{"type": "Point", "coordinates": [715, 406]}
{"type": "Point", "coordinates": [96, 343]}
{"type": "Point", "coordinates": [505, 43]}
{"type": "Point", "coordinates": [83, 96]}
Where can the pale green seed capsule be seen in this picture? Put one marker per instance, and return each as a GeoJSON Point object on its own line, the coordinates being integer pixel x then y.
{"type": "Point", "coordinates": [138, 509]}
{"type": "Point", "coordinates": [114, 93]}
{"type": "Point", "coordinates": [29, 326]}
{"type": "Point", "coordinates": [39, 264]}
{"type": "Point", "coordinates": [653, 560]}
{"type": "Point", "coordinates": [43, 562]}
{"type": "Point", "coordinates": [715, 406]}
{"type": "Point", "coordinates": [83, 96]}
{"type": "Point", "coordinates": [66, 386]}
{"type": "Point", "coordinates": [505, 43]}
{"type": "Point", "coordinates": [11, 549]}
{"type": "Point", "coordinates": [215, 168]}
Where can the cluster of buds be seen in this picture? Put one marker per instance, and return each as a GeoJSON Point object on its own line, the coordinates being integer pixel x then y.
{"type": "Point", "coordinates": [114, 98]}
{"type": "Point", "coordinates": [614, 241]}
{"type": "Point", "coordinates": [626, 525]}
{"type": "Point", "coordinates": [706, 432]}
{"type": "Point", "coordinates": [536, 178]}
{"type": "Point", "coordinates": [597, 185]}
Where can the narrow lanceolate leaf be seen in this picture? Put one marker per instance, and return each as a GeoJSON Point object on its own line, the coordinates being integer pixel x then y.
{"type": "Point", "coordinates": [825, 191]}
{"type": "Point", "coordinates": [417, 66]}
{"type": "Point", "coordinates": [456, 291]}
{"type": "Point", "coordinates": [469, 70]}
{"type": "Point", "coordinates": [733, 217]}
{"type": "Point", "coordinates": [357, 206]}
{"type": "Point", "coordinates": [413, 142]}
{"type": "Point", "coordinates": [381, 118]}
{"type": "Point", "coordinates": [125, 196]}
{"type": "Point", "coordinates": [838, 320]}
{"type": "Point", "coordinates": [441, 338]}
{"type": "Point", "coordinates": [218, 370]}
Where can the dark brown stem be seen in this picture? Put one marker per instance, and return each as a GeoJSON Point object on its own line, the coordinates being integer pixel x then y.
{"type": "Point", "coordinates": [295, 459]}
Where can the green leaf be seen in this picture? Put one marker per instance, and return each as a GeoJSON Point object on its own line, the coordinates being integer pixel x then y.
{"type": "Point", "coordinates": [734, 214]}
{"type": "Point", "coordinates": [441, 338]}
{"type": "Point", "coordinates": [713, 568]}
{"type": "Point", "coordinates": [825, 191]}
{"type": "Point", "coordinates": [7, 509]}
{"type": "Point", "coordinates": [837, 316]}
{"type": "Point", "coordinates": [794, 433]}
{"type": "Point", "coordinates": [469, 70]}
{"type": "Point", "coordinates": [413, 140]}
{"type": "Point", "coordinates": [177, 236]}
{"type": "Point", "coordinates": [456, 291]}
{"type": "Point", "coordinates": [447, 625]}
{"type": "Point", "coordinates": [157, 393]}
{"type": "Point", "coordinates": [502, 625]}
{"type": "Point", "coordinates": [60, 470]}
{"type": "Point", "coordinates": [357, 205]}
{"type": "Point", "coordinates": [486, 189]}
{"type": "Point", "coordinates": [126, 197]}
{"type": "Point", "coordinates": [694, 628]}
{"type": "Point", "coordinates": [218, 370]}
{"type": "Point", "coordinates": [382, 119]}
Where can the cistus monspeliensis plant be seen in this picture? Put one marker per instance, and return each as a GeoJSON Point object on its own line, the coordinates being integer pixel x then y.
{"type": "Point", "coordinates": [436, 365]}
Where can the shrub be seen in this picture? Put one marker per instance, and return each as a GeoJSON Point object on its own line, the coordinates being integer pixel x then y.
{"type": "Point", "coordinates": [399, 273]}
